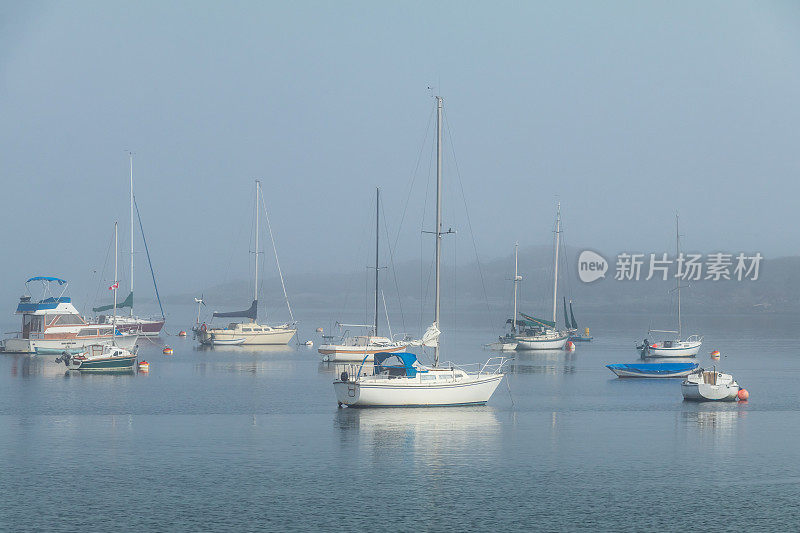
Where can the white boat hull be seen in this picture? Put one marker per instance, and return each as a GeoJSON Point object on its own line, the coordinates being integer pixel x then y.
{"type": "Point", "coordinates": [275, 336]}
{"type": "Point", "coordinates": [57, 346]}
{"type": "Point", "coordinates": [702, 392]}
{"type": "Point", "coordinates": [534, 343]}
{"type": "Point", "coordinates": [474, 390]}
{"type": "Point", "coordinates": [684, 349]}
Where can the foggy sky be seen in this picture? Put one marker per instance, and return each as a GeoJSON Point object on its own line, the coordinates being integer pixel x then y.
{"type": "Point", "coordinates": [624, 111]}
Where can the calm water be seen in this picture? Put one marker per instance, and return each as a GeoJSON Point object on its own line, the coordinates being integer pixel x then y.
{"type": "Point", "coordinates": [236, 439]}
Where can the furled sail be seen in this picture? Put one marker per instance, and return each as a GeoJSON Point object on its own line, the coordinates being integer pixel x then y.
{"type": "Point", "coordinates": [566, 316]}
{"type": "Point", "coordinates": [540, 322]}
{"type": "Point", "coordinates": [430, 338]}
{"type": "Point", "coordinates": [572, 316]}
{"type": "Point", "coordinates": [127, 303]}
{"type": "Point", "coordinates": [248, 313]}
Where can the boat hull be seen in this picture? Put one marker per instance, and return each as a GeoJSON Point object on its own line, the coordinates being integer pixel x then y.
{"type": "Point", "coordinates": [475, 391]}
{"type": "Point", "coordinates": [686, 349]}
{"type": "Point", "coordinates": [532, 343]}
{"type": "Point", "coordinates": [107, 364]}
{"type": "Point", "coordinates": [59, 346]}
{"type": "Point", "coordinates": [147, 328]}
{"type": "Point", "coordinates": [704, 392]}
{"type": "Point", "coordinates": [654, 370]}
{"type": "Point", "coordinates": [276, 336]}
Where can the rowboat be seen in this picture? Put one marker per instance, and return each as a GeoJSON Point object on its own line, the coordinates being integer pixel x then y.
{"type": "Point", "coordinates": [652, 370]}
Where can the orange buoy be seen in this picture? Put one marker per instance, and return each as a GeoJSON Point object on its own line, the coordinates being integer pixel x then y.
{"type": "Point", "coordinates": [715, 355]}
{"type": "Point", "coordinates": [319, 330]}
{"type": "Point", "coordinates": [570, 346]}
{"type": "Point", "coordinates": [182, 333]}
{"type": "Point", "coordinates": [743, 395]}
{"type": "Point", "coordinates": [144, 366]}
{"type": "Point", "coordinates": [167, 350]}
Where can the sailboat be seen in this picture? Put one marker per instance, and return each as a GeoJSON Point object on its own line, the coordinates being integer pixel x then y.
{"type": "Point", "coordinates": [103, 357]}
{"type": "Point", "coordinates": [399, 379]}
{"type": "Point", "coordinates": [540, 334]}
{"type": "Point", "coordinates": [673, 347]}
{"type": "Point", "coordinates": [364, 347]}
{"type": "Point", "coordinates": [572, 325]}
{"type": "Point", "coordinates": [249, 333]}
{"type": "Point", "coordinates": [508, 341]}
{"type": "Point", "coordinates": [150, 327]}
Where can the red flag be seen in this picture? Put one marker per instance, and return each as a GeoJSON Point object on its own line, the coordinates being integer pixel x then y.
{"type": "Point", "coordinates": [114, 286]}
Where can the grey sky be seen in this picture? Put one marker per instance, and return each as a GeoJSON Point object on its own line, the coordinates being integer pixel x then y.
{"type": "Point", "coordinates": [626, 111]}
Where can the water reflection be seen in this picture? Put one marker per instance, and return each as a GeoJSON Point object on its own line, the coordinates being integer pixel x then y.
{"type": "Point", "coordinates": [441, 430]}
{"type": "Point", "coordinates": [238, 350]}
{"type": "Point", "coordinates": [244, 367]}
{"type": "Point", "coordinates": [542, 362]}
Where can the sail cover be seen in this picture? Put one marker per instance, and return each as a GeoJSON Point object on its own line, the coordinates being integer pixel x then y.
{"type": "Point", "coordinates": [538, 321]}
{"type": "Point", "coordinates": [566, 316]}
{"type": "Point", "coordinates": [430, 338]}
{"type": "Point", "coordinates": [127, 303]}
{"type": "Point", "coordinates": [248, 313]}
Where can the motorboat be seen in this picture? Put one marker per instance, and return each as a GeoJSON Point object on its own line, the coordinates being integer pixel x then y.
{"type": "Point", "coordinates": [652, 370]}
{"type": "Point", "coordinates": [52, 324]}
{"type": "Point", "coordinates": [100, 358]}
{"type": "Point", "coordinates": [398, 379]}
{"type": "Point", "coordinates": [709, 385]}
{"type": "Point", "coordinates": [253, 333]}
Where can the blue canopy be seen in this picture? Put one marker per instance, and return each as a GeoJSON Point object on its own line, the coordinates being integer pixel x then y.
{"type": "Point", "coordinates": [47, 278]}
{"type": "Point", "coordinates": [407, 360]}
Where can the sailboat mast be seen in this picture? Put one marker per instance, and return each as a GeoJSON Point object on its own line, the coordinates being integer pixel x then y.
{"type": "Point", "coordinates": [677, 278]}
{"type": "Point", "coordinates": [130, 156]}
{"type": "Point", "coordinates": [516, 280]}
{"type": "Point", "coordinates": [377, 251]}
{"type": "Point", "coordinates": [115, 285]}
{"type": "Point", "coordinates": [555, 269]}
{"type": "Point", "coordinates": [438, 217]}
{"type": "Point", "coordinates": [255, 287]}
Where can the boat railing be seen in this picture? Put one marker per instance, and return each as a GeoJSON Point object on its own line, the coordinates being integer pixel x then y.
{"type": "Point", "coordinates": [493, 365]}
{"type": "Point", "coordinates": [694, 338]}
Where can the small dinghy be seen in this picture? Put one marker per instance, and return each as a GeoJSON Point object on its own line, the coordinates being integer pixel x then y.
{"type": "Point", "coordinates": [710, 385]}
{"type": "Point", "coordinates": [227, 342]}
{"type": "Point", "coordinates": [653, 370]}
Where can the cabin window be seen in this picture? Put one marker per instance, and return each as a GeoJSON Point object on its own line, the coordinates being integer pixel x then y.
{"type": "Point", "coordinates": [36, 323]}
{"type": "Point", "coordinates": [427, 377]}
{"type": "Point", "coordinates": [105, 331]}
{"type": "Point", "coordinates": [247, 329]}
{"type": "Point", "coordinates": [87, 333]}
{"type": "Point", "coordinates": [67, 320]}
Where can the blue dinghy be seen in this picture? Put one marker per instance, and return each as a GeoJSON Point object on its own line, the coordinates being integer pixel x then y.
{"type": "Point", "coordinates": [653, 370]}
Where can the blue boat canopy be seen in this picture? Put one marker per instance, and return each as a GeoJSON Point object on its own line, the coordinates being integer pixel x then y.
{"type": "Point", "coordinates": [47, 278]}
{"type": "Point", "coordinates": [405, 363]}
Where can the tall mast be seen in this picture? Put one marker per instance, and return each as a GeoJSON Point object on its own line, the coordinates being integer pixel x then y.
{"type": "Point", "coordinates": [377, 249]}
{"type": "Point", "coordinates": [255, 287]}
{"type": "Point", "coordinates": [438, 215]}
{"type": "Point", "coordinates": [516, 280]}
{"type": "Point", "coordinates": [130, 155]}
{"type": "Point", "coordinates": [677, 278]}
{"type": "Point", "coordinates": [555, 270]}
{"type": "Point", "coordinates": [115, 286]}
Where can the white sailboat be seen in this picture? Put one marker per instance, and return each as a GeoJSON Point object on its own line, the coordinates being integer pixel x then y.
{"type": "Point", "coordinates": [508, 342]}
{"type": "Point", "coordinates": [150, 327]}
{"type": "Point", "coordinates": [676, 347]}
{"type": "Point", "coordinates": [250, 333]}
{"type": "Point", "coordinates": [704, 385]}
{"type": "Point", "coordinates": [542, 334]}
{"type": "Point", "coordinates": [363, 347]}
{"type": "Point", "coordinates": [407, 383]}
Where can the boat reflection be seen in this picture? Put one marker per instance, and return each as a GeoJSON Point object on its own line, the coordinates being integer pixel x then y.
{"type": "Point", "coordinates": [224, 350]}
{"type": "Point", "coordinates": [542, 362]}
{"type": "Point", "coordinates": [433, 431]}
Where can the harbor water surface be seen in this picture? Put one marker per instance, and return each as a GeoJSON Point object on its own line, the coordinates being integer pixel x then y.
{"type": "Point", "coordinates": [238, 439]}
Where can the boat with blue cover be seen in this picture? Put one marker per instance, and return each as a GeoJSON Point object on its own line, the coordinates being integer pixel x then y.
{"type": "Point", "coordinates": [652, 370]}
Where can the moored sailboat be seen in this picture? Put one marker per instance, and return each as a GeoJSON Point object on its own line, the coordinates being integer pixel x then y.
{"type": "Point", "coordinates": [409, 383]}
{"type": "Point", "coordinates": [249, 333]}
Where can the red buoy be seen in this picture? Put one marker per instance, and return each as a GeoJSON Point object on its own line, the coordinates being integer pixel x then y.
{"type": "Point", "coordinates": [743, 395]}
{"type": "Point", "coordinates": [569, 346]}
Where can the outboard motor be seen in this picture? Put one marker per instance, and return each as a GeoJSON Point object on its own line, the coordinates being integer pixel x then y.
{"type": "Point", "coordinates": [65, 357]}
{"type": "Point", "coordinates": [344, 377]}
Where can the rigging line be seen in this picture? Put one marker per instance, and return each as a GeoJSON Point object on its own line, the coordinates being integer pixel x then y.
{"type": "Point", "coordinates": [102, 273]}
{"type": "Point", "coordinates": [275, 251]}
{"type": "Point", "coordinates": [147, 252]}
{"type": "Point", "coordinates": [394, 274]}
{"type": "Point", "coordinates": [423, 289]}
{"type": "Point", "coordinates": [469, 222]}
{"type": "Point", "coordinates": [414, 177]}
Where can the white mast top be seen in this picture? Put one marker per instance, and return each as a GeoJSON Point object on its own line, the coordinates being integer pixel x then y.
{"type": "Point", "coordinates": [130, 155]}
{"type": "Point", "coordinates": [555, 270]}
{"type": "Point", "coordinates": [677, 278]}
{"type": "Point", "coordinates": [438, 230]}
{"type": "Point", "coordinates": [255, 288]}
{"type": "Point", "coordinates": [517, 279]}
